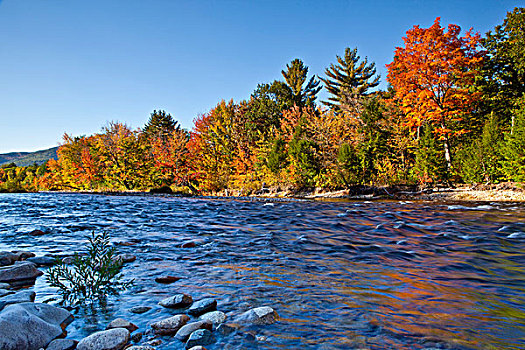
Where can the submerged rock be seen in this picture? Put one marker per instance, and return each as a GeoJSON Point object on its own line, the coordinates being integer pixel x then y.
{"type": "Point", "coordinates": [31, 326]}
{"type": "Point", "coordinates": [112, 339]}
{"type": "Point", "coordinates": [203, 306]}
{"type": "Point", "coordinates": [125, 258]}
{"type": "Point", "coordinates": [5, 286]}
{"type": "Point", "coordinates": [141, 347]}
{"type": "Point", "coordinates": [188, 245]}
{"type": "Point", "coordinates": [200, 337]}
{"type": "Point", "coordinates": [20, 274]}
{"type": "Point", "coordinates": [178, 301]}
{"type": "Point", "coordinates": [140, 309]}
{"type": "Point", "coordinates": [186, 330]}
{"type": "Point", "coordinates": [166, 279]}
{"type": "Point", "coordinates": [43, 260]}
{"type": "Point", "coordinates": [198, 347]}
{"type": "Point", "coordinates": [227, 329]}
{"type": "Point", "coordinates": [25, 296]}
{"type": "Point", "coordinates": [122, 323]}
{"type": "Point", "coordinates": [4, 292]}
{"type": "Point", "coordinates": [259, 316]}
{"type": "Point", "coordinates": [62, 344]}
{"type": "Point", "coordinates": [216, 317]}
{"type": "Point", "coordinates": [171, 325]}
{"type": "Point", "coordinates": [37, 233]}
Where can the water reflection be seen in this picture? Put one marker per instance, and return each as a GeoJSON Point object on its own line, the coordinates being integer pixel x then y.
{"type": "Point", "coordinates": [342, 275]}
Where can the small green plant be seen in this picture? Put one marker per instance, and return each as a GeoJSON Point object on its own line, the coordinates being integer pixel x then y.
{"type": "Point", "coordinates": [91, 277]}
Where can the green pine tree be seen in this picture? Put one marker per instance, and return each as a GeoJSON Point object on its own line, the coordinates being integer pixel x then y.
{"type": "Point", "coordinates": [430, 159]}
{"type": "Point", "coordinates": [160, 124]}
{"type": "Point", "coordinates": [295, 77]}
{"type": "Point", "coordinates": [514, 148]}
{"type": "Point", "coordinates": [349, 79]}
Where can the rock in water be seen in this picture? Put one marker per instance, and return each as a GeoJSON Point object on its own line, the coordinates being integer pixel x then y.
{"type": "Point", "coordinates": [25, 296]}
{"type": "Point", "coordinates": [43, 260]}
{"type": "Point", "coordinates": [20, 274]}
{"type": "Point", "coordinates": [186, 330]}
{"type": "Point", "coordinates": [7, 258]}
{"type": "Point", "coordinates": [178, 301]}
{"type": "Point", "coordinates": [166, 279]}
{"type": "Point", "coordinates": [140, 309]}
{"type": "Point", "coordinates": [122, 323]}
{"type": "Point", "coordinates": [31, 326]}
{"type": "Point", "coordinates": [113, 339]}
{"type": "Point", "coordinates": [216, 317]}
{"type": "Point", "coordinates": [259, 316]}
{"type": "Point", "coordinates": [140, 347]}
{"type": "Point", "coordinates": [200, 337]}
{"type": "Point", "coordinates": [198, 347]}
{"type": "Point", "coordinates": [62, 344]}
{"type": "Point", "coordinates": [203, 306]}
{"type": "Point", "coordinates": [171, 325]}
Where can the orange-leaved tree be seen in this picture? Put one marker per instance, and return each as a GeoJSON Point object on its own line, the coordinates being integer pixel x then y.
{"type": "Point", "coordinates": [432, 77]}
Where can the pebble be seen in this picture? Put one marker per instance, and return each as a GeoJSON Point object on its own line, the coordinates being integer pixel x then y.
{"type": "Point", "coordinates": [166, 279]}
{"type": "Point", "coordinates": [171, 325]}
{"type": "Point", "coordinates": [122, 323]}
{"type": "Point", "coordinates": [200, 337]}
{"type": "Point", "coordinates": [216, 317]}
{"type": "Point", "coordinates": [112, 339]}
{"type": "Point", "coordinates": [203, 306]}
{"type": "Point", "coordinates": [178, 301]}
{"type": "Point", "coordinates": [186, 330]}
{"type": "Point", "coordinates": [140, 309]}
{"type": "Point", "coordinates": [259, 316]}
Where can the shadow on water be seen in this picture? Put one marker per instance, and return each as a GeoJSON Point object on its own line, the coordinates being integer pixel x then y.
{"type": "Point", "coordinates": [341, 275]}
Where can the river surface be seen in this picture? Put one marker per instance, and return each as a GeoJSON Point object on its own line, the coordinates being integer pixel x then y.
{"type": "Point", "coordinates": [341, 275]}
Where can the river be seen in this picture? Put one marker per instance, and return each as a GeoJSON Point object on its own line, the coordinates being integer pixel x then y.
{"type": "Point", "coordinates": [340, 274]}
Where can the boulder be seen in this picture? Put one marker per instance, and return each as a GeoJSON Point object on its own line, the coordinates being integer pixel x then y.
{"type": "Point", "coordinates": [62, 344]}
{"type": "Point", "coordinates": [25, 296]}
{"type": "Point", "coordinates": [43, 260]}
{"type": "Point", "coordinates": [171, 325]}
{"type": "Point", "coordinates": [203, 306]}
{"type": "Point", "coordinates": [200, 337]}
{"type": "Point", "coordinates": [112, 339]}
{"type": "Point", "coordinates": [7, 258]}
{"type": "Point", "coordinates": [31, 326]}
{"type": "Point", "coordinates": [21, 274]}
{"type": "Point", "coordinates": [185, 331]}
{"type": "Point", "coordinates": [122, 323]}
{"type": "Point", "coordinates": [178, 301]}
{"type": "Point", "coordinates": [259, 316]}
{"type": "Point", "coordinates": [22, 254]}
{"type": "Point", "coordinates": [216, 317]}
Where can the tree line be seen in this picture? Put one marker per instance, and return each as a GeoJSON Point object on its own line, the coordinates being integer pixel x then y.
{"type": "Point", "coordinates": [454, 112]}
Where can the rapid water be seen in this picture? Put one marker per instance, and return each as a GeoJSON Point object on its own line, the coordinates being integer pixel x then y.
{"type": "Point", "coordinates": [341, 275]}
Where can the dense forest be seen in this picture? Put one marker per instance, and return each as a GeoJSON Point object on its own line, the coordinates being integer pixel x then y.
{"type": "Point", "coordinates": [454, 112]}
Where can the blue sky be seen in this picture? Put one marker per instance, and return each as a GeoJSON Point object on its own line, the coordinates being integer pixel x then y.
{"type": "Point", "coordinates": [72, 65]}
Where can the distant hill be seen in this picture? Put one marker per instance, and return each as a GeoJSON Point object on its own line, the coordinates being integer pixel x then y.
{"type": "Point", "coordinates": [29, 158]}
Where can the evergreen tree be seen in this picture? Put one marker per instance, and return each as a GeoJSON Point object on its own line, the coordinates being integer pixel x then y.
{"type": "Point", "coordinates": [349, 79]}
{"type": "Point", "coordinates": [160, 125]}
{"type": "Point", "coordinates": [430, 166]}
{"type": "Point", "coordinates": [349, 165]}
{"type": "Point", "coordinates": [277, 158]}
{"type": "Point", "coordinates": [514, 148]}
{"type": "Point", "coordinates": [295, 77]}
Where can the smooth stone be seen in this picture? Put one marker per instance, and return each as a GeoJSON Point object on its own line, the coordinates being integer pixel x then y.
{"type": "Point", "coordinates": [227, 329]}
{"type": "Point", "coordinates": [188, 245]}
{"type": "Point", "coordinates": [216, 317]}
{"type": "Point", "coordinates": [25, 296]}
{"type": "Point", "coordinates": [203, 306]}
{"type": "Point", "coordinates": [112, 339]}
{"type": "Point", "coordinates": [4, 292]}
{"type": "Point", "coordinates": [20, 274]}
{"type": "Point", "coordinates": [22, 254]}
{"type": "Point", "coordinates": [62, 344]}
{"type": "Point", "coordinates": [178, 301]}
{"type": "Point", "coordinates": [166, 279]}
{"type": "Point", "coordinates": [126, 258]}
{"type": "Point", "coordinates": [7, 258]}
{"type": "Point", "coordinates": [31, 326]}
{"type": "Point", "coordinates": [136, 337]}
{"type": "Point", "coordinates": [171, 325]}
{"type": "Point", "coordinates": [185, 331]}
{"type": "Point", "coordinates": [198, 347]}
{"type": "Point", "coordinates": [154, 342]}
{"type": "Point", "coordinates": [122, 323]}
{"type": "Point", "coordinates": [140, 309]}
{"type": "Point", "coordinates": [37, 233]}
{"type": "Point", "coordinates": [43, 260]}
{"type": "Point", "coordinates": [140, 347]}
{"type": "Point", "coordinates": [200, 337]}
{"type": "Point", "coordinates": [259, 316]}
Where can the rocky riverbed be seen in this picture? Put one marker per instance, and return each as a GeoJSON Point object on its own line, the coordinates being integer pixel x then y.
{"type": "Point", "coordinates": [26, 325]}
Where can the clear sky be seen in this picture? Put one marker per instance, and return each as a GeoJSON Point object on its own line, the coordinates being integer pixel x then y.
{"type": "Point", "coordinates": [72, 65]}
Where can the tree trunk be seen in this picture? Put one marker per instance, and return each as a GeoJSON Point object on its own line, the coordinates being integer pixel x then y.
{"type": "Point", "coordinates": [448, 158]}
